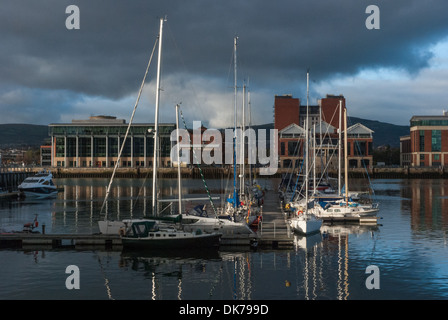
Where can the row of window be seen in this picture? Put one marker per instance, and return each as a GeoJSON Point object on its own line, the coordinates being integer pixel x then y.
{"type": "Point", "coordinates": [133, 147]}
{"type": "Point", "coordinates": [103, 130]}
{"type": "Point", "coordinates": [361, 148]}
{"type": "Point", "coordinates": [436, 140]}
{"type": "Point", "coordinates": [434, 122]}
{"type": "Point", "coordinates": [102, 164]}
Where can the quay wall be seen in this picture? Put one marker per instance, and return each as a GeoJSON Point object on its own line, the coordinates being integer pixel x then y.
{"type": "Point", "coordinates": [10, 178]}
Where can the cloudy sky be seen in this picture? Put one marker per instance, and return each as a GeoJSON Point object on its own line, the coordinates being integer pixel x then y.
{"type": "Point", "coordinates": [50, 74]}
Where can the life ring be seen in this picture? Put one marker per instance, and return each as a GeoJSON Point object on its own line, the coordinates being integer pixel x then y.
{"type": "Point", "coordinates": [299, 212]}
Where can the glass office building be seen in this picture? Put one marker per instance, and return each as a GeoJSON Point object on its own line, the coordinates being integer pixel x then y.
{"type": "Point", "coordinates": [428, 141]}
{"type": "Point", "coordinates": [97, 142]}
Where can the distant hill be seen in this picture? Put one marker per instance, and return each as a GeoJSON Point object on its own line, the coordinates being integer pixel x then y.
{"type": "Point", "coordinates": [22, 135]}
{"type": "Point", "coordinates": [384, 133]}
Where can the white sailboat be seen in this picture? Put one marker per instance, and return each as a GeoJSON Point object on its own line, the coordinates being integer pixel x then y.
{"type": "Point", "coordinates": [305, 221]}
{"type": "Point", "coordinates": [197, 218]}
{"type": "Point", "coordinates": [151, 233]}
{"type": "Point", "coordinates": [114, 227]}
{"type": "Point", "coordinates": [345, 207]}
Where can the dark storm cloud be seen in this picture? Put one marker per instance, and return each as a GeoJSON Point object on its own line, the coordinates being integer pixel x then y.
{"type": "Point", "coordinates": [279, 40]}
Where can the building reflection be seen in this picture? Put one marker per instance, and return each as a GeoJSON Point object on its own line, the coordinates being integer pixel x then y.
{"type": "Point", "coordinates": [428, 205]}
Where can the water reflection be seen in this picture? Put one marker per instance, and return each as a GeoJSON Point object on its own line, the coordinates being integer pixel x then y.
{"type": "Point", "coordinates": [429, 204]}
{"type": "Point", "coordinates": [324, 254]}
{"type": "Point", "coordinates": [330, 265]}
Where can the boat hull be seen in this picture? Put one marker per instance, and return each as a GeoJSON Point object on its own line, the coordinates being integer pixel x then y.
{"type": "Point", "coordinates": [39, 194]}
{"type": "Point", "coordinates": [188, 241]}
{"type": "Point", "coordinates": [110, 227]}
{"type": "Point", "coordinates": [210, 225]}
{"type": "Point", "coordinates": [306, 225]}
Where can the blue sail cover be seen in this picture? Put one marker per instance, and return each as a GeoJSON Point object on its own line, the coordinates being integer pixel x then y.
{"type": "Point", "coordinates": [324, 204]}
{"type": "Point", "coordinates": [232, 201]}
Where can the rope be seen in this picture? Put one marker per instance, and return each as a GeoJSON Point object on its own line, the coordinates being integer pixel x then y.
{"type": "Point", "coordinates": [200, 170]}
{"type": "Point", "coordinates": [127, 130]}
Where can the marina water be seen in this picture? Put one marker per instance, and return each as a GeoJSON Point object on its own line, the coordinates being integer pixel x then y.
{"type": "Point", "coordinates": [409, 250]}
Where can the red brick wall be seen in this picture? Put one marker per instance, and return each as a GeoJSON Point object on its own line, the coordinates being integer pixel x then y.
{"type": "Point", "coordinates": [330, 110]}
{"type": "Point", "coordinates": [286, 111]}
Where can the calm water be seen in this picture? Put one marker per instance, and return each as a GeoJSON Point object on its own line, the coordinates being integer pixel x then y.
{"type": "Point", "coordinates": [409, 248]}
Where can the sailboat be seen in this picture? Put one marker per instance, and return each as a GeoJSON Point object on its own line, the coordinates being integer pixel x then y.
{"type": "Point", "coordinates": [225, 222]}
{"type": "Point", "coordinates": [198, 218]}
{"type": "Point", "coordinates": [306, 222]}
{"type": "Point", "coordinates": [345, 206]}
{"type": "Point", "coordinates": [151, 233]}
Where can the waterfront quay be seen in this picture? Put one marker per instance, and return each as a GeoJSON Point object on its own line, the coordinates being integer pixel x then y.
{"type": "Point", "coordinates": [10, 178]}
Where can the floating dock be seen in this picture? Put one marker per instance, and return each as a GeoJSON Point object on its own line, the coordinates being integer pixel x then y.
{"type": "Point", "coordinates": [273, 233]}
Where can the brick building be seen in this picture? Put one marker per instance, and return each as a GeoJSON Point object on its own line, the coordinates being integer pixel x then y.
{"type": "Point", "coordinates": [429, 141]}
{"type": "Point", "coordinates": [289, 120]}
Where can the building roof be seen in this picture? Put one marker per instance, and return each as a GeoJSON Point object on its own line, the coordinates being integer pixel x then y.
{"type": "Point", "coordinates": [359, 128]}
{"type": "Point", "coordinates": [292, 130]}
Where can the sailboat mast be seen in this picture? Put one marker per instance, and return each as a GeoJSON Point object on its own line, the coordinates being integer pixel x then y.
{"type": "Point", "coordinates": [250, 126]}
{"type": "Point", "coordinates": [235, 205]}
{"type": "Point", "coordinates": [156, 124]}
{"type": "Point", "coordinates": [306, 143]}
{"type": "Point", "coordinates": [179, 184]}
{"type": "Point", "coordinates": [314, 159]}
{"type": "Point", "coordinates": [243, 145]}
{"type": "Point", "coordinates": [340, 147]}
{"type": "Point", "coordinates": [346, 157]}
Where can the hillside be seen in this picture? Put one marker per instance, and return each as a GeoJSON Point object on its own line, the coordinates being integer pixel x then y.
{"type": "Point", "coordinates": [384, 133]}
{"type": "Point", "coordinates": [22, 135]}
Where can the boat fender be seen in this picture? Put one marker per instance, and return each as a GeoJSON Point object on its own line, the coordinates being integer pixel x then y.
{"type": "Point", "coordinates": [121, 231]}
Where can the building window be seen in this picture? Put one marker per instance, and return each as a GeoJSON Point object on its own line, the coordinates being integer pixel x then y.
{"type": "Point", "coordinates": [293, 148]}
{"type": "Point", "coordinates": [282, 148]}
{"type": "Point", "coordinates": [422, 140]}
{"type": "Point", "coordinates": [436, 140]}
{"type": "Point", "coordinates": [99, 147]}
{"type": "Point", "coordinates": [60, 147]}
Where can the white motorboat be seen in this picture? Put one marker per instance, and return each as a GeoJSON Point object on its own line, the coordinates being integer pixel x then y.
{"type": "Point", "coordinates": [346, 209]}
{"type": "Point", "coordinates": [39, 186]}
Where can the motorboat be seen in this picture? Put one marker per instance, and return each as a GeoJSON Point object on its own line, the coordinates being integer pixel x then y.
{"type": "Point", "coordinates": [39, 186]}
{"type": "Point", "coordinates": [151, 234]}
{"type": "Point", "coordinates": [343, 208]}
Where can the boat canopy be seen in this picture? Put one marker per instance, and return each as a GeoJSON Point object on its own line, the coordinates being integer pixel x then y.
{"type": "Point", "coordinates": [142, 228]}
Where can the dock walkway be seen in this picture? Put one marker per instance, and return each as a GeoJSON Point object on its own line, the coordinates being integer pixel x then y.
{"type": "Point", "coordinates": [272, 233]}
